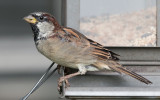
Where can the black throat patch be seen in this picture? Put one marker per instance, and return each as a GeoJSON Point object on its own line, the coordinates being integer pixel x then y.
{"type": "Point", "coordinates": [35, 32]}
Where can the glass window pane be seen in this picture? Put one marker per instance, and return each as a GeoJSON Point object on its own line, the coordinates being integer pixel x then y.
{"type": "Point", "coordinates": [119, 22]}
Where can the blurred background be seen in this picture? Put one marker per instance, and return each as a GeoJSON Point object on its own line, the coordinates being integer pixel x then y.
{"type": "Point", "coordinates": [127, 22]}
{"type": "Point", "coordinates": [21, 65]}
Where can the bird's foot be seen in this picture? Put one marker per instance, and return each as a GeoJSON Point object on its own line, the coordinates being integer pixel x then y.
{"type": "Point", "coordinates": [67, 83]}
{"type": "Point", "coordinates": [60, 82]}
{"type": "Point", "coordinates": [65, 78]}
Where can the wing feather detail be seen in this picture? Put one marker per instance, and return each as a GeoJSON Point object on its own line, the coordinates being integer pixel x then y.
{"type": "Point", "coordinates": [102, 52]}
{"type": "Point", "coordinates": [97, 49]}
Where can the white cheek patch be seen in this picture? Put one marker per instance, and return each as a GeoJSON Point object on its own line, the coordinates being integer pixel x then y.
{"type": "Point", "coordinates": [45, 29]}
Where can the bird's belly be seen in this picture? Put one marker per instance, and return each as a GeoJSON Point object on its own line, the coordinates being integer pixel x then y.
{"type": "Point", "coordinates": [65, 54]}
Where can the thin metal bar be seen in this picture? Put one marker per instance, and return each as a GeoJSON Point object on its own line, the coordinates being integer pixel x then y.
{"type": "Point", "coordinates": [44, 77]}
{"type": "Point", "coordinates": [63, 85]}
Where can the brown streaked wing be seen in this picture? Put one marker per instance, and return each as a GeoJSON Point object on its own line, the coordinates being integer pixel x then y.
{"type": "Point", "coordinates": [98, 50]}
{"type": "Point", "coordinates": [76, 37]}
{"type": "Point", "coordinates": [102, 52]}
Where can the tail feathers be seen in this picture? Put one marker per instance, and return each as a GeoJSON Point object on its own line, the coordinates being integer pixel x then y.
{"type": "Point", "coordinates": [132, 74]}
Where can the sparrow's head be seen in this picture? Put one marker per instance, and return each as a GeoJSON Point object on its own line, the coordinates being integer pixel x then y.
{"type": "Point", "coordinates": [43, 24]}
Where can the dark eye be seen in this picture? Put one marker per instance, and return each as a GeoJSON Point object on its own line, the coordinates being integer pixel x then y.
{"type": "Point", "coordinates": [41, 17]}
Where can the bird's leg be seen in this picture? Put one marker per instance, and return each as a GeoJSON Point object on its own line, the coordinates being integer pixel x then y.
{"type": "Point", "coordinates": [65, 78]}
{"type": "Point", "coordinates": [59, 69]}
{"type": "Point", "coordinates": [82, 71]}
{"type": "Point", "coordinates": [44, 77]}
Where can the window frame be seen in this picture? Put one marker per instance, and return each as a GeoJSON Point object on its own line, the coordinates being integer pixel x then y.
{"type": "Point", "coordinates": [129, 55]}
{"type": "Point", "coordinates": [148, 58]}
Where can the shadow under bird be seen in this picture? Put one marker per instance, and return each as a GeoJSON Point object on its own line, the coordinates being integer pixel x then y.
{"type": "Point", "coordinates": [68, 47]}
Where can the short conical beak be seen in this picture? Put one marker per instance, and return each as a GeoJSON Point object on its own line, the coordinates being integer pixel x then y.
{"type": "Point", "coordinates": [30, 19]}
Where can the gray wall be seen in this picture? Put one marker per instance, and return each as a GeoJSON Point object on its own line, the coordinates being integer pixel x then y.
{"type": "Point", "coordinates": [20, 63]}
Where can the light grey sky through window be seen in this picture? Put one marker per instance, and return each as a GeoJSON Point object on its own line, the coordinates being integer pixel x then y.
{"type": "Point", "coordinates": [99, 7]}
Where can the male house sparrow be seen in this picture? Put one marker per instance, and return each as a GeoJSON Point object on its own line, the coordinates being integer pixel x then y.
{"type": "Point", "coordinates": [68, 47]}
